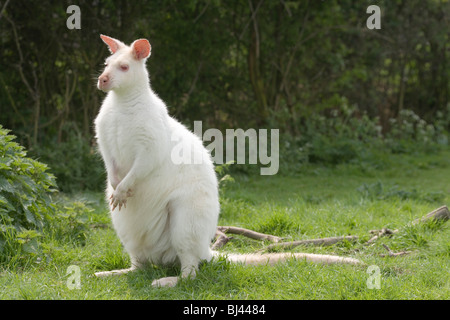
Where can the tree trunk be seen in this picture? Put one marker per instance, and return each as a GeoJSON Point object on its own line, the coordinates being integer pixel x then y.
{"type": "Point", "coordinates": [254, 70]}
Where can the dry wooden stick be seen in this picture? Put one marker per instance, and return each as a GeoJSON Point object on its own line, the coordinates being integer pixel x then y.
{"type": "Point", "coordinates": [394, 254]}
{"type": "Point", "coordinates": [441, 213]}
{"type": "Point", "coordinates": [248, 233]}
{"type": "Point", "coordinates": [380, 233]}
{"type": "Point", "coordinates": [314, 242]}
{"type": "Point", "coordinates": [222, 240]}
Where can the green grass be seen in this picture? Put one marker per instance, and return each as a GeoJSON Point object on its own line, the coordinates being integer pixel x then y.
{"type": "Point", "coordinates": [316, 202]}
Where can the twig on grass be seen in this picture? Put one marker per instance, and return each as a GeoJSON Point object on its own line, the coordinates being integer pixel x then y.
{"type": "Point", "coordinates": [222, 240]}
{"type": "Point", "coordinates": [380, 233]}
{"type": "Point", "coordinates": [248, 233]}
{"type": "Point", "coordinates": [314, 242]}
{"type": "Point", "coordinates": [394, 254]}
{"type": "Point", "coordinates": [441, 213]}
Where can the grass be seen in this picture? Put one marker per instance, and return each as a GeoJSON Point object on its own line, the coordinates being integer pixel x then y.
{"type": "Point", "coordinates": [316, 202]}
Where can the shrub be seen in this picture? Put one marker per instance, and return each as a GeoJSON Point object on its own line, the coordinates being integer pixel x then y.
{"type": "Point", "coordinates": [341, 136]}
{"type": "Point", "coordinates": [70, 223]}
{"type": "Point", "coordinates": [409, 133]}
{"type": "Point", "coordinates": [27, 211]}
{"type": "Point", "coordinates": [346, 136]}
{"type": "Point", "coordinates": [377, 191]}
{"type": "Point", "coordinates": [25, 202]}
{"type": "Point", "coordinates": [224, 178]}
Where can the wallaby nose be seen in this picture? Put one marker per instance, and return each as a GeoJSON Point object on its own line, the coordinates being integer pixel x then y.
{"type": "Point", "coordinates": [103, 81]}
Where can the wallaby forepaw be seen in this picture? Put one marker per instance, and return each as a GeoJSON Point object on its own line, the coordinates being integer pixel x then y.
{"type": "Point", "coordinates": [119, 198]}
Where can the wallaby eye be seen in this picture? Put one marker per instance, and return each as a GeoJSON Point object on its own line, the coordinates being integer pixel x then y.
{"type": "Point", "coordinates": [124, 67]}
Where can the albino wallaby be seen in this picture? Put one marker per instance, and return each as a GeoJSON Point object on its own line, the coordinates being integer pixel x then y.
{"type": "Point", "coordinates": [163, 212]}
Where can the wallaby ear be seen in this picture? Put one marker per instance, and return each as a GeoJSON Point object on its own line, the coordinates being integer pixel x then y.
{"type": "Point", "coordinates": [113, 44]}
{"type": "Point", "coordinates": [141, 49]}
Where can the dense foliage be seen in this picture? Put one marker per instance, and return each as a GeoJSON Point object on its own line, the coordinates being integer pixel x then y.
{"type": "Point", "coordinates": [231, 64]}
{"type": "Point", "coordinates": [27, 210]}
{"type": "Point", "coordinates": [25, 204]}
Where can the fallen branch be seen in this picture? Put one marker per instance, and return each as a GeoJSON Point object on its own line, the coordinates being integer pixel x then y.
{"type": "Point", "coordinates": [248, 233]}
{"type": "Point", "coordinates": [314, 242]}
{"type": "Point", "coordinates": [222, 239]}
{"type": "Point", "coordinates": [271, 258]}
{"type": "Point", "coordinates": [441, 213]}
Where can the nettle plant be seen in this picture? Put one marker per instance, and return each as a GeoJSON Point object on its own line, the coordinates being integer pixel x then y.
{"type": "Point", "coordinates": [25, 203]}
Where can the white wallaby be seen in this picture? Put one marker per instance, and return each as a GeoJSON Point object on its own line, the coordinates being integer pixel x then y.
{"type": "Point", "coordinates": [163, 212]}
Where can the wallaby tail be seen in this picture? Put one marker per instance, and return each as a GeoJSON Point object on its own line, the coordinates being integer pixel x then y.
{"type": "Point", "coordinates": [273, 258]}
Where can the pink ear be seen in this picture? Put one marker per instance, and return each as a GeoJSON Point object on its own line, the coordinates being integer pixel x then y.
{"type": "Point", "coordinates": [112, 43]}
{"type": "Point", "coordinates": [141, 49]}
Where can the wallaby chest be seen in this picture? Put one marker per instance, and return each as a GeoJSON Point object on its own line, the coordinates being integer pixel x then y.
{"type": "Point", "coordinates": [120, 134]}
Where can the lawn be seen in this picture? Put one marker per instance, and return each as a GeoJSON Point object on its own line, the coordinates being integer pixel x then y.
{"type": "Point", "coordinates": [314, 202]}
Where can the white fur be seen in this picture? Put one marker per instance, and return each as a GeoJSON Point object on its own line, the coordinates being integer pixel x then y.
{"type": "Point", "coordinates": [163, 212]}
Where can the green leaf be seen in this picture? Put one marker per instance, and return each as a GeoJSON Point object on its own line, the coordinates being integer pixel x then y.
{"type": "Point", "coordinates": [5, 185]}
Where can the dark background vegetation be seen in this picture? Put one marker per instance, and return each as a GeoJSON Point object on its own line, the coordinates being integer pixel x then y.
{"type": "Point", "coordinates": [338, 91]}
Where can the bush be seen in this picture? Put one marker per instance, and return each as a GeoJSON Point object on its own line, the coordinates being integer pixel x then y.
{"type": "Point", "coordinates": [341, 136]}
{"type": "Point", "coordinates": [409, 133]}
{"type": "Point", "coordinates": [377, 191]}
{"type": "Point", "coordinates": [27, 211]}
{"type": "Point", "coordinates": [346, 136]}
{"type": "Point", "coordinates": [25, 202]}
{"type": "Point", "coordinates": [70, 223]}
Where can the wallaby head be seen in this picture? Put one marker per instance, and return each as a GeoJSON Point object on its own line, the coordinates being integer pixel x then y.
{"type": "Point", "coordinates": [125, 68]}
